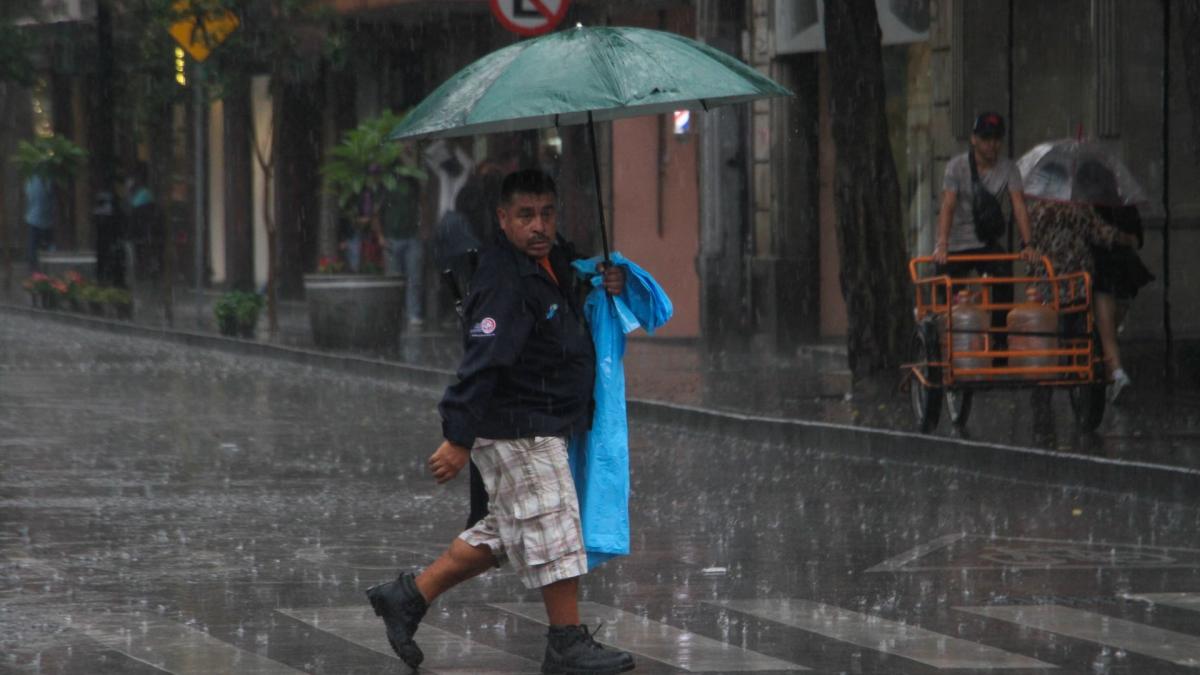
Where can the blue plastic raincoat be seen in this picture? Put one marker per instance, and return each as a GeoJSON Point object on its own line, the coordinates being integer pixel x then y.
{"type": "Point", "coordinates": [600, 458]}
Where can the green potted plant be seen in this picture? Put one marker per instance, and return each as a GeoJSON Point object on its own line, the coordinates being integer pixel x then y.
{"type": "Point", "coordinates": [54, 158]}
{"type": "Point", "coordinates": [360, 311]}
{"type": "Point", "coordinates": [367, 163]}
{"type": "Point", "coordinates": [236, 313]}
{"type": "Point", "coordinates": [120, 301]}
{"type": "Point", "coordinates": [92, 297]}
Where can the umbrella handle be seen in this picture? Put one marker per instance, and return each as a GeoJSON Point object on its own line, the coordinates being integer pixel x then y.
{"type": "Point", "coordinates": [596, 178]}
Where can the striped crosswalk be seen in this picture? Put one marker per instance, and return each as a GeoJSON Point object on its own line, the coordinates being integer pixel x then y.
{"type": "Point", "coordinates": [445, 653]}
{"type": "Point", "coordinates": [1106, 630]}
{"type": "Point", "coordinates": [187, 648]}
{"type": "Point", "coordinates": [1178, 600]}
{"type": "Point", "coordinates": [661, 642]}
{"type": "Point", "coordinates": [890, 637]}
{"type": "Point", "coordinates": [174, 647]}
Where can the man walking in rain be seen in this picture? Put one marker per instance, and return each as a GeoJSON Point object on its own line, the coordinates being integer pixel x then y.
{"type": "Point", "coordinates": [525, 385]}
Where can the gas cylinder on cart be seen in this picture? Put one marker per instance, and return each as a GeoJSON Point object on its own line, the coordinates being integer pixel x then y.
{"type": "Point", "coordinates": [1032, 316]}
{"type": "Point", "coordinates": [969, 324]}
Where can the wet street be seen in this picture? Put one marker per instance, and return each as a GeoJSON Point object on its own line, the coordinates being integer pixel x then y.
{"type": "Point", "coordinates": [166, 509]}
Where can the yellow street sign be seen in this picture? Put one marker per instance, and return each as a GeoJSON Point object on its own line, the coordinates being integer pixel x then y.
{"type": "Point", "coordinates": [200, 32]}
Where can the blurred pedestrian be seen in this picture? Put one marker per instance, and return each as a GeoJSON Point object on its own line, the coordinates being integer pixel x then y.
{"type": "Point", "coordinates": [39, 216]}
{"type": "Point", "coordinates": [451, 167]}
{"type": "Point", "coordinates": [110, 252]}
{"type": "Point", "coordinates": [480, 195]}
{"type": "Point", "coordinates": [1120, 273]}
{"type": "Point", "coordinates": [147, 231]}
{"type": "Point", "coordinates": [976, 188]}
{"type": "Point", "coordinates": [525, 384]}
{"type": "Point", "coordinates": [398, 229]}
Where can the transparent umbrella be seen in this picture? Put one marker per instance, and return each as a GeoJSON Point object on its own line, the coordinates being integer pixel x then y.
{"type": "Point", "coordinates": [1085, 172]}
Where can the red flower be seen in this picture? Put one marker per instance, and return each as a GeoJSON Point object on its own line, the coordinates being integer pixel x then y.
{"type": "Point", "coordinates": [329, 265]}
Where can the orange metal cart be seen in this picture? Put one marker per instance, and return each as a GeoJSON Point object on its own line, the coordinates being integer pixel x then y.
{"type": "Point", "coordinates": [952, 358]}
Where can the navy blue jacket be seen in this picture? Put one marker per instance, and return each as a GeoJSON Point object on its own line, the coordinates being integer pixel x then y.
{"type": "Point", "coordinates": [528, 365]}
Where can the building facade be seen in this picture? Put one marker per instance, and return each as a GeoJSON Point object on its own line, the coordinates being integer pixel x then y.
{"type": "Point", "coordinates": [732, 211]}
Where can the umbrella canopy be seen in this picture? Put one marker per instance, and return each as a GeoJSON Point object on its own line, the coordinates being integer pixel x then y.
{"type": "Point", "coordinates": [558, 79]}
{"type": "Point", "coordinates": [1085, 172]}
{"type": "Point", "coordinates": [582, 75]}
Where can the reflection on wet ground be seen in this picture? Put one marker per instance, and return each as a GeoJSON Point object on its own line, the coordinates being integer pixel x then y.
{"type": "Point", "coordinates": [171, 509]}
{"type": "Point", "coordinates": [1159, 422]}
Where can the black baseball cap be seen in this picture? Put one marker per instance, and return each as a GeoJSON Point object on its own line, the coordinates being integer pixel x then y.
{"type": "Point", "coordinates": [989, 125]}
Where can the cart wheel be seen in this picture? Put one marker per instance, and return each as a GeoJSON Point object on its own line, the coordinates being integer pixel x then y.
{"type": "Point", "coordinates": [1087, 402]}
{"type": "Point", "coordinates": [958, 405]}
{"type": "Point", "coordinates": [926, 401]}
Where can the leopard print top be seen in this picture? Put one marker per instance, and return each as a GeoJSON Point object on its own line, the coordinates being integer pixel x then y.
{"type": "Point", "coordinates": [1065, 233]}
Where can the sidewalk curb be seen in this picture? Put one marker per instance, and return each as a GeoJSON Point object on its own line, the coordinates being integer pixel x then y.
{"type": "Point", "coordinates": [433, 378]}
{"type": "Point", "coordinates": [864, 443]}
{"type": "Point", "coordinates": [890, 446]}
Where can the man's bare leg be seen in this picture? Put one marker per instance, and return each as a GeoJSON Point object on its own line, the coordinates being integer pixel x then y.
{"type": "Point", "coordinates": [402, 603]}
{"type": "Point", "coordinates": [562, 602]}
{"type": "Point", "coordinates": [460, 562]}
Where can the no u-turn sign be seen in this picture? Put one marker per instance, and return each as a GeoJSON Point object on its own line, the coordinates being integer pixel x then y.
{"type": "Point", "coordinates": [529, 17]}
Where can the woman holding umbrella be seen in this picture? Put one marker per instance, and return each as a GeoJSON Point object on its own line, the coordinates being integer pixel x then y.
{"type": "Point", "coordinates": [1120, 273]}
{"type": "Point", "coordinates": [1082, 204]}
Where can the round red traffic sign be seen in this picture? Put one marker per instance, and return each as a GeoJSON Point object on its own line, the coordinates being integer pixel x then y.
{"type": "Point", "coordinates": [529, 17]}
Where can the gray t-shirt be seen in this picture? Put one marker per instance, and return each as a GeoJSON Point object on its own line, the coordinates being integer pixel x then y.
{"type": "Point", "coordinates": [998, 180]}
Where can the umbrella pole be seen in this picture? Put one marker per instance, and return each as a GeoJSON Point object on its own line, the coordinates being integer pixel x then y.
{"type": "Point", "coordinates": [596, 178]}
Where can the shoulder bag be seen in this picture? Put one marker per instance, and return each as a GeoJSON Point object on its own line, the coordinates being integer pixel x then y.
{"type": "Point", "coordinates": [985, 208]}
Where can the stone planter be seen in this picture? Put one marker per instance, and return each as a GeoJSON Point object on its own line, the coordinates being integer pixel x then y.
{"type": "Point", "coordinates": [230, 326]}
{"type": "Point", "coordinates": [354, 311]}
{"type": "Point", "coordinates": [49, 299]}
{"type": "Point", "coordinates": [58, 263]}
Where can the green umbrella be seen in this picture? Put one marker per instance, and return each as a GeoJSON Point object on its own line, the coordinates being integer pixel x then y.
{"type": "Point", "coordinates": [581, 75]}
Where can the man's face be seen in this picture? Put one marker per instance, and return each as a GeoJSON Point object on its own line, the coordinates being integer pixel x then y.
{"type": "Point", "coordinates": [987, 148]}
{"type": "Point", "coordinates": [530, 222]}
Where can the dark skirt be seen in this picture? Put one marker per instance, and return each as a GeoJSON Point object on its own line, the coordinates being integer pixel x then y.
{"type": "Point", "coordinates": [1120, 272]}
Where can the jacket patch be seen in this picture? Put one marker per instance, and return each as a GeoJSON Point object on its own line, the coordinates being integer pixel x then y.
{"type": "Point", "coordinates": [552, 311]}
{"type": "Point", "coordinates": [485, 328]}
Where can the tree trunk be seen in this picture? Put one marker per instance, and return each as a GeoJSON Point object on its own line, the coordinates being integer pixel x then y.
{"type": "Point", "coordinates": [327, 234]}
{"type": "Point", "coordinates": [724, 197]}
{"type": "Point", "coordinates": [1189, 18]}
{"type": "Point", "coordinates": [103, 151]}
{"type": "Point", "coordinates": [238, 179]}
{"type": "Point", "coordinates": [871, 242]}
{"type": "Point", "coordinates": [267, 160]}
{"type": "Point", "coordinates": [298, 186]}
{"type": "Point", "coordinates": [6, 228]}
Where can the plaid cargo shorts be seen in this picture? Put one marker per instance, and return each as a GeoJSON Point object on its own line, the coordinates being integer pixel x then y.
{"type": "Point", "coordinates": [534, 513]}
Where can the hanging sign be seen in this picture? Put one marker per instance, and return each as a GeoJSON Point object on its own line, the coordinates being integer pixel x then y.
{"type": "Point", "coordinates": [199, 32]}
{"type": "Point", "coordinates": [529, 17]}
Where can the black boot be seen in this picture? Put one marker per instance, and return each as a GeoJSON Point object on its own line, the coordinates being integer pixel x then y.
{"type": "Point", "coordinates": [570, 650]}
{"type": "Point", "coordinates": [402, 607]}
